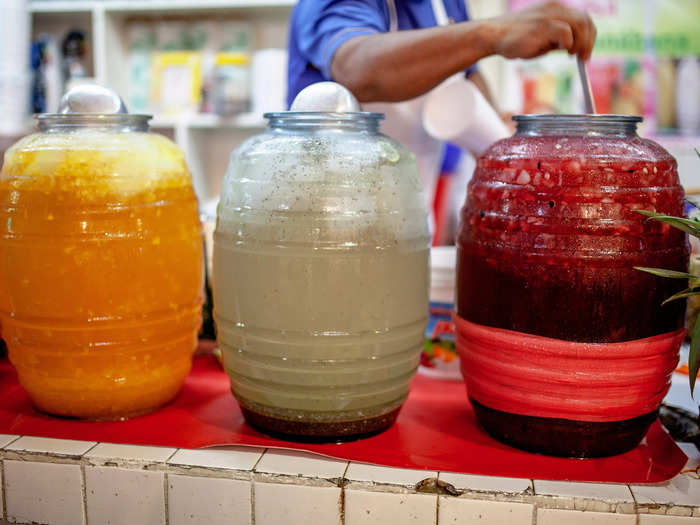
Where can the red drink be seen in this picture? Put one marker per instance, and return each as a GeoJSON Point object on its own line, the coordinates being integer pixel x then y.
{"type": "Point", "coordinates": [547, 247]}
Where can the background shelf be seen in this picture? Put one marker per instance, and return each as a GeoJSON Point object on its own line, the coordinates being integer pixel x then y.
{"type": "Point", "coordinates": [208, 139]}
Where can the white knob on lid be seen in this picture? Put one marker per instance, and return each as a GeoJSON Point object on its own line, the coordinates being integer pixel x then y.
{"type": "Point", "coordinates": [91, 98]}
{"type": "Point", "coordinates": [327, 97]}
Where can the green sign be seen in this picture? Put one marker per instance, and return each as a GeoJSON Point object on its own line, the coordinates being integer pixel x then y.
{"type": "Point", "coordinates": [667, 28]}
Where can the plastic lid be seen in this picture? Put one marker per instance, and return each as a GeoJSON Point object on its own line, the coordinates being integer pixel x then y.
{"type": "Point", "coordinates": [91, 99]}
{"type": "Point", "coordinates": [327, 97]}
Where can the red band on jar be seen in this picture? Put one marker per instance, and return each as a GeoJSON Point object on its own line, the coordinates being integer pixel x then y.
{"type": "Point", "coordinates": [543, 377]}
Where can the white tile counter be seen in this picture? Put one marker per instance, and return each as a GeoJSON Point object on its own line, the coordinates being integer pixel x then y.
{"type": "Point", "coordinates": [56, 481]}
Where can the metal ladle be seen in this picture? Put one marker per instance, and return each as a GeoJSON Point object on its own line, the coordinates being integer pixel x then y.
{"type": "Point", "coordinates": [588, 101]}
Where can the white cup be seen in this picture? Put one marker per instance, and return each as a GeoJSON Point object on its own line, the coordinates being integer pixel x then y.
{"type": "Point", "coordinates": [457, 112]}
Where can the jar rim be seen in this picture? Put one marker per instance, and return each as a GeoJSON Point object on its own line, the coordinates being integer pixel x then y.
{"type": "Point", "coordinates": [578, 118]}
{"type": "Point", "coordinates": [121, 122]}
{"type": "Point", "coordinates": [87, 118]}
{"type": "Point", "coordinates": [311, 116]}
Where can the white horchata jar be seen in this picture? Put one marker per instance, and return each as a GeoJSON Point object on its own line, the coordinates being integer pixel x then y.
{"type": "Point", "coordinates": [321, 270]}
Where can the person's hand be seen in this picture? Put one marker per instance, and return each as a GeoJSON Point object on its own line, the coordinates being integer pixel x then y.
{"type": "Point", "coordinates": [535, 31]}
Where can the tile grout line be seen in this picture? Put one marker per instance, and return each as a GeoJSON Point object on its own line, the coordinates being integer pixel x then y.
{"type": "Point", "coordinates": [252, 488]}
{"type": "Point", "coordinates": [3, 490]}
{"type": "Point", "coordinates": [636, 510]}
{"type": "Point", "coordinates": [437, 502]}
{"type": "Point", "coordinates": [636, 504]}
{"type": "Point", "coordinates": [3, 482]}
{"type": "Point", "coordinates": [83, 492]}
{"type": "Point", "coordinates": [83, 479]}
{"type": "Point", "coordinates": [166, 504]}
{"type": "Point", "coordinates": [252, 500]}
{"type": "Point", "coordinates": [341, 484]}
{"type": "Point", "coordinates": [437, 509]}
{"type": "Point", "coordinates": [534, 502]}
{"type": "Point", "coordinates": [166, 479]}
{"type": "Point", "coordinates": [10, 443]}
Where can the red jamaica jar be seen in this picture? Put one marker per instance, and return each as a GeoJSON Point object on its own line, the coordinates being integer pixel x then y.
{"type": "Point", "coordinates": [565, 347]}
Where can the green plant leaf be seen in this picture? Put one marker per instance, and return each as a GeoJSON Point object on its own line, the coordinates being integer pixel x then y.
{"type": "Point", "coordinates": [695, 290]}
{"type": "Point", "coordinates": [689, 226]}
{"type": "Point", "coordinates": [672, 274]}
{"type": "Point", "coordinates": [694, 356]}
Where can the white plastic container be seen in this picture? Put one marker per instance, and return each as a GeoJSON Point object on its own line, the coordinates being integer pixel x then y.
{"type": "Point", "coordinates": [439, 358]}
{"type": "Point", "coordinates": [269, 81]}
{"type": "Point", "coordinates": [15, 78]}
{"type": "Point", "coordinates": [14, 104]}
{"type": "Point", "coordinates": [688, 95]}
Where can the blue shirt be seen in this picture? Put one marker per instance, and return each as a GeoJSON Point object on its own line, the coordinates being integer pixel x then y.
{"type": "Point", "coordinates": [319, 27]}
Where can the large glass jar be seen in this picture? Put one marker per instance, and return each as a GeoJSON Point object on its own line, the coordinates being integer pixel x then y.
{"type": "Point", "coordinates": [548, 245]}
{"type": "Point", "coordinates": [100, 265]}
{"type": "Point", "coordinates": [321, 275]}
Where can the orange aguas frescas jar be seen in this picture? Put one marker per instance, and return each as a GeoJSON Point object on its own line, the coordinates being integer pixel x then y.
{"type": "Point", "coordinates": [100, 262]}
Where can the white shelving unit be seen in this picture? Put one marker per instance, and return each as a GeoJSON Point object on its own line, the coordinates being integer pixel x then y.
{"type": "Point", "coordinates": [206, 139]}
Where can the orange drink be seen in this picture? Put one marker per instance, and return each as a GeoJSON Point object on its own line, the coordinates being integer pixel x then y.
{"type": "Point", "coordinates": [100, 266]}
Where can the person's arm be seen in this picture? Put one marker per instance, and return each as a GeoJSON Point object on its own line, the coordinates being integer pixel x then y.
{"type": "Point", "coordinates": [392, 67]}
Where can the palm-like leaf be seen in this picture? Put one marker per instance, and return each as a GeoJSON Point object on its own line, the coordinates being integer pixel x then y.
{"type": "Point", "coordinates": [691, 227]}
{"type": "Point", "coordinates": [694, 355]}
{"type": "Point", "coordinates": [672, 274]}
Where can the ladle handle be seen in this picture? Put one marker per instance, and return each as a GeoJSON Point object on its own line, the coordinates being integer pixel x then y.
{"type": "Point", "coordinates": [588, 101]}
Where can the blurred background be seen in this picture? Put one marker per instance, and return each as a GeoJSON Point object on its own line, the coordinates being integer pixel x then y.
{"type": "Point", "coordinates": [208, 69]}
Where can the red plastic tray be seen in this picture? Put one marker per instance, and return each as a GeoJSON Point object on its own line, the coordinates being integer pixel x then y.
{"type": "Point", "coordinates": [436, 430]}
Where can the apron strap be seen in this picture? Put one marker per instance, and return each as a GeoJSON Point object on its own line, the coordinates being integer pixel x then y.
{"type": "Point", "coordinates": [393, 17]}
{"type": "Point", "coordinates": [440, 12]}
